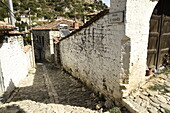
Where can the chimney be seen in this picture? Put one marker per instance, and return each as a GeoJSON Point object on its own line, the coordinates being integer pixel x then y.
{"type": "Point", "coordinates": [76, 25]}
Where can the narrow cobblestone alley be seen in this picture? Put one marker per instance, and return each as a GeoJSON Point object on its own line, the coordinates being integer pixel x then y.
{"type": "Point", "coordinates": [50, 90]}
{"type": "Point", "coordinates": [69, 90]}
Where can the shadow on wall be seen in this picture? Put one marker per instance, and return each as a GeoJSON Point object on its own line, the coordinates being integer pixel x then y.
{"type": "Point", "coordinates": [1, 80]}
{"type": "Point", "coordinates": [11, 109]}
{"type": "Point", "coordinates": [1, 43]}
{"type": "Point", "coordinates": [8, 92]}
{"type": "Point", "coordinates": [2, 40]}
{"type": "Point", "coordinates": [10, 88]}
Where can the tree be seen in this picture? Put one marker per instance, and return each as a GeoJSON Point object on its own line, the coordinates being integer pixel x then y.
{"type": "Point", "coordinates": [49, 8]}
{"type": "Point", "coordinates": [3, 13]}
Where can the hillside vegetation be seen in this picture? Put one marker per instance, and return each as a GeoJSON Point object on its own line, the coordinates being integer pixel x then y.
{"type": "Point", "coordinates": [50, 9]}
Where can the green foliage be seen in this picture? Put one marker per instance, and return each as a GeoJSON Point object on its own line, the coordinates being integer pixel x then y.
{"type": "Point", "coordinates": [159, 87]}
{"type": "Point", "coordinates": [33, 18]}
{"type": "Point", "coordinates": [115, 110]}
{"type": "Point", "coordinates": [27, 39]}
{"type": "Point", "coordinates": [49, 8]}
{"type": "Point", "coordinates": [18, 18]}
{"type": "Point", "coordinates": [166, 70]}
{"type": "Point", "coordinates": [22, 26]}
{"type": "Point", "coordinates": [3, 12]}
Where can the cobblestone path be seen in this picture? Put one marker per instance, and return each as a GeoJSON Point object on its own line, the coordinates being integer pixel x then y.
{"type": "Point", "coordinates": [50, 90]}
{"type": "Point", "coordinates": [69, 90]}
{"type": "Point", "coordinates": [153, 97]}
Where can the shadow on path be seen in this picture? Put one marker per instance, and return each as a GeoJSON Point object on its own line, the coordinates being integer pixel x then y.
{"type": "Point", "coordinates": [71, 91]}
{"type": "Point", "coordinates": [35, 92]}
{"type": "Point", "coordinates": [68, 90]}
{"type": "Point", "coordinates": [11, 109]}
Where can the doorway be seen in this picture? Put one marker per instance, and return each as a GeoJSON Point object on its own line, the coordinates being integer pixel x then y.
{"type": "Point", "coordinates": [159, 35]}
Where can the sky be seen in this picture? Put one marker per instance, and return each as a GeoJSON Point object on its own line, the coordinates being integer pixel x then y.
{"type": "Point", "coordinates": [107, 2]}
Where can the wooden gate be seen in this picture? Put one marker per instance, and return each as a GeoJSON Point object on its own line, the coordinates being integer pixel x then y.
{"type": "Point", "coordinates": [159, 37]}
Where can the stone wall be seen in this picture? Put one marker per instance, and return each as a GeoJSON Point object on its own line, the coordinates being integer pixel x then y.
{"type": "Point", "coordinates": [138, 13]}
{"type": "Point", "coordinates": [134, 44]}
{"type": "Point", "coordinates": [93, 55]}
{"type": "Point", "coordinates": [57, 60]}
{"type": "Point", "coordinates": [41, 44]}
{"type": "Point", "coordinates": [1, 81]}
{"type": "Point", "coordinates": [111, 57]}
{"type": "Point", "coordinates": [53, 34]}
{"type": "Point", "coordinates": [29, 56]}
{"type": "Point", "coordinates": [13, 61]}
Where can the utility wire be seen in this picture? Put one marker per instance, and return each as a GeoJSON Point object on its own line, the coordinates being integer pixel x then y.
{"type": "Point", "coordinates": [7, 8]}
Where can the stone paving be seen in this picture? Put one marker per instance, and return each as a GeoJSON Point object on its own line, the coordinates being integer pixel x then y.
{"type": "Point", "coordinates": [51, 90]}
{"type": "Point", "coordinates": [29, 106]}
{"type": "Point", "coordinates": [70, 90]}
{"type": "Point", "coordinates": [153, 97]}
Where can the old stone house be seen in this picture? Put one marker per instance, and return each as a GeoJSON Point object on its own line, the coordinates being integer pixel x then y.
{"type": "Point", "coordinates": [43, 36]}
{"type": "Point", "coordinates": [14, 61]}
{"type": "Point", "coordinates": [112, 51]}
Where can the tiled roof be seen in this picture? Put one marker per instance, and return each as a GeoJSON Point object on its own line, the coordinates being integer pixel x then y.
{"type": "Point", "coordinates": [5, 26]}
{"type": "Point", "coordinates": [91, 21]}
{"type": "Point", "coordinates": [16, 33]}
{"type": "Point", "coordinates": [54, 25]}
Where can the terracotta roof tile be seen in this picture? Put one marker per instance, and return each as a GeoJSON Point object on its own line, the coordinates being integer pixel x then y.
{"type": "Point", "coordinates": [16, 33]}
{"type": "Point", "coordinates": [54, 25]}
{"type": "Point", "coordinates": [6, 26]}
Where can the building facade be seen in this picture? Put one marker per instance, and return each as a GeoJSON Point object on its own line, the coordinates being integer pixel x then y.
{"type": "Point", "coordinates": [44, 37]}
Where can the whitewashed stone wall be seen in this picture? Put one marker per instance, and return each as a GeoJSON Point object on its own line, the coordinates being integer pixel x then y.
{"type": "Point", "coordinates": [13, 62]}
{"type": "Point", "coordinates": [53, 34]}
{"type": "Point", "coordinates": [138, 13]}
{"type": "Point", "coordinates": [111, 58]}
{"type": "Point", "coordinates": [29, 56]}
{"type": "Point", "coordinates": [134, 44]}
{"type": "Point", "coordinates": [94, 56]}
{"type": "Point", "coordinates": [1, 81]}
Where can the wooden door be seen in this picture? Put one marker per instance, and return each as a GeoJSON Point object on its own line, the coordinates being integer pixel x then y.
{"type": "Point", "coordinates": [159, 37]}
